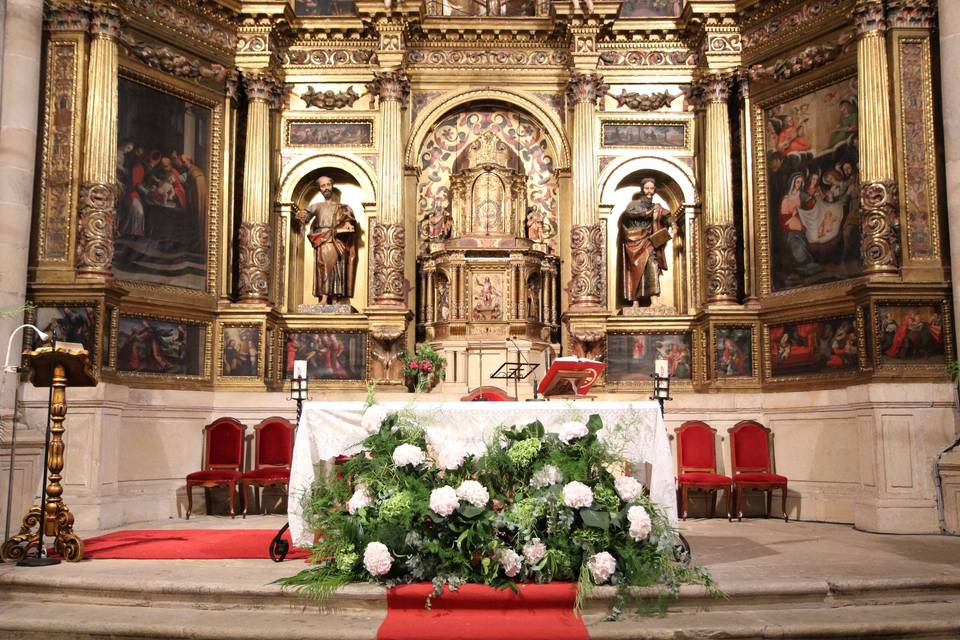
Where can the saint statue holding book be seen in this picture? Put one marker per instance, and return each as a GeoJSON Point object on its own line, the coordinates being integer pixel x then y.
{"type": "Point", "coordinates": [333, 234]}
{"type": "Point", "coordinates": [644, 232]}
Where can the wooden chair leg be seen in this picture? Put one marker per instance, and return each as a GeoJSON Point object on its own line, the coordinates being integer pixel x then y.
{"type": "Point", "coordinates": [712, 497]}
{"type": "Point", "coordinates": [783, 503]}
{"type": "Point", "coordinates": [258, 490]}
{"type": "Point", "coordinates": [729, 491]}
{"type": "Point", "coordinates": [233, 490]}
{"type": "Point", "coordinates": [189, 499]}
{"type": "Point", "coordinates": [206, 498]}
{"type": "Point", "coordinates": [244, 490]}
{"type": "Point", "coordinates": [683, 500]}
{"type": "Point", "coordinates": [739, 503]}
{"type": "Point", "coordinates": [769, 496]}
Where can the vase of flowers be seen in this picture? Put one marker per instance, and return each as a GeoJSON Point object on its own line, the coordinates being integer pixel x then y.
{"type": "Point", "coordinates": [424, 368]}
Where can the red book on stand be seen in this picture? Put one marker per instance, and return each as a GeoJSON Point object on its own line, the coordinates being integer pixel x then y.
{"type": "Point", "coordinates": [570, 375]}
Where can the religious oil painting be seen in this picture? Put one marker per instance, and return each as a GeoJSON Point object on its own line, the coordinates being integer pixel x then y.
{"type": "Point", "coordinates": [487, 296]}
{"type": "Point", "coordinates": [632, 356]}
{"type": "Point", "coordinates": [813, 181]}
{"type": "Point", "coordinates": [910, 334]}
{"type": "Point", "coordinates": [644, 134]}
{"type": "Point", "coordinates": [330, 134]}
{"type": "Point", "coordinates": [814, 346]}
{"type": "Point", "coordinates": [311, 8]}
{"type": "Point", "coordinates": [482, 7]}
{"type": "Point", "coordinates": [734, 352]}
{"type": "Point", "coordinates": [149, 345]}
{"type": "Point", "coordinates": [329, 356]}
{"type": "Point", "coordinates": [650, 8]}
{"type": "Point", "coordinates": [163, 171]}
{"type": "Point", "coordinates": [240, 355]}
{"type": "Point", "coordinates": [68, 324]}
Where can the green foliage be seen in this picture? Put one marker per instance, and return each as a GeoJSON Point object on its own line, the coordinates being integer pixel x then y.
{"type": "Point", "coordinates": [466, 546]}
{"type": "Point", "coordinates": [423, 365]}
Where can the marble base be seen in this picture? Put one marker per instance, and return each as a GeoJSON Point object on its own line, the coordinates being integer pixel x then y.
{"type": "Point", "coordinates": [325, 308]}
{"type": "Point", "coordinates": [652, 310]}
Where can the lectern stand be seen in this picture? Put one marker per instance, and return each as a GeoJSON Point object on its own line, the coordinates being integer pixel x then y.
{"type": "Point", "coordinates": [56, 367]}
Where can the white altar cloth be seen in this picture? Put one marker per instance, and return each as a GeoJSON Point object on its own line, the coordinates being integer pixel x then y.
{"type": "Point", "coordinates": [330, 429]}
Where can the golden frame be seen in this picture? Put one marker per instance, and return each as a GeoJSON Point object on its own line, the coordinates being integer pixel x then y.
{"type": "Point", "coordinates": [619, 119]}
{"type": "Point", "coordinates": [711, 349]}
{"type": "Point", "coordinates": [839, 376]}
{"type": "Point", "coordinates": [207, 327]}
{"type": "Point", "coordinates": [208, 99]}
{"type": "Point", "coordinates": [220, 378]}
{"type": "Point", "coordinates": [684, 384]}
{"type": "Point", "coordinates": [886, 366]}
{"type": "Point", "coordinates": [369, 144]}
{"type": "Point", "coordinates": [280, 339]}
{"type": "Point", "coordinates": [761, 209]}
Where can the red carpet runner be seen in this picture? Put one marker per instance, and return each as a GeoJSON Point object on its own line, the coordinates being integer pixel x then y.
{"type": "Point", "coordinates": [477, 612]}
{"type": "Point", "coordinates": [191, 544]}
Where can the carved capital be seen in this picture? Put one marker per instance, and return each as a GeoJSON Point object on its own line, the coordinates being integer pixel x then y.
{"type": "Point", "coordinates": [66, 16]}
{"type": "Point", "coordinates": [98, 212]}
{"type": "Point", "coordinates": [233, 84]}
{"type": "Point", "coordinates": [254, 260]}
{"type": "Point", "coordinates": [868, 17]}
{"type": "Point", "coordinates": [387, 348]}
{"type": "Point", "coordinates": [880, 226]}
{"type": "Point", "coordinates": [105, 21]}
{"type": "Point", "coordinates": [715, 87]}
{"type": "Point", "coordinates": [262, 86]}
{"type": "Point", "coordinates": [911, 14]}
{"type": "Point", "coordinates": [388, 241]}
{"type": "Point", "coordinates": [587, 273]}
{"type": "Point", "coordinates": [587, 342]}
{"type": "Point", "coordinates": [585, 87]}
{"type": "Point", "coordinates": [721, 245]}
{"type": "Point", "coordinates": [390, 85]}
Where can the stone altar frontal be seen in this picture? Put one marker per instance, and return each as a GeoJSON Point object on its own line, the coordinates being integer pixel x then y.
{"type": "Point", "coordinates": [330, 429]}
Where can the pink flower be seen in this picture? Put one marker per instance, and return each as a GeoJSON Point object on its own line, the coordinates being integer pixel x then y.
{"type": "Point", "coordinates": [414, 364]}
{"type": "Point", "coordinates": [602, 566]}
{"type": "Point", "coordinates": [377, 559]}
{"type": "Point", "coordinates": [426, 366]}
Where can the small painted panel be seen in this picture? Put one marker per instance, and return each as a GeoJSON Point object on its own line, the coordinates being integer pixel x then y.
{"type": "Point", "coordinates": [910, 334]}
{"type": "Point", "coordinates": [329, 356]}
{"type": "Point", "coordinates": [650, 8]}
{"type": "Point", "coordinates": [313, 8]}
{"type": "Point", "coordinates": [632, 357]}
{"type": "Point", "coordinates": [814, 346]}
{"type": "Point", "coordinates": [148, 345]}
{"type": "Point", "coordinates": [734, 352]}
{"type": "Point", "coordinates": [240, 355]}
{"type": "Point", "coordinates": [644, 134]}
{"type": "Point", "coordinates": [69, 324]}
{"type": "Point", "coordinates": [487, 296]}
{"type": "Point", "coordinates": [330, 134]}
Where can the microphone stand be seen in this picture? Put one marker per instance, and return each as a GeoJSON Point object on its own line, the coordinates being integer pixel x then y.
{"type": "Point", "coordinates": [534, 368]}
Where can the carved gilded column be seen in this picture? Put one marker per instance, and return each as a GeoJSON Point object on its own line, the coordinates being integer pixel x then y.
{"type": "Point", "coordinates": [98, 187]}
{"type": "Point", "coordinates": [387, 236]}
{"type": "Point", "coordinates": [255, 241]}
{"type": "Point", "coordinates": [720, 235]}
{"type": "Point", "coordinates": [879, 202]}
{"type": "Point", "coordinates": [588, 275]}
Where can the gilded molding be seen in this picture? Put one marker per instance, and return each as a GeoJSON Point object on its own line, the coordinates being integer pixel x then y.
{"type": "Point", "coordinates": [650, 58]}
{"type": "Point", "coordinates": [66, 16]}
{"type": "Point", "coordinates": [330, 57]}
{"type": "Point", "coordinates": [723, 43]}
{"type": "Point", "coordinates": [168, 61]}
{"type": "Point", "coordinates": [805, 14]}
{"type": "Point", "coordinates": [879, 214]}
{"type": "Point", "coordinates": [812, 57]}
{"type": "Point", "coordinates": [721, 262]}
{"type": "Point", "coordinates": [387, 277]}
{"type": "Point", "coordinates": [587, 275]}
{"type": "Point", "coordinates": [329, 100]}
{"type": "Point", "coordinates": [644, 101]}
{"type": "Point", "coordinates": [585, 87]}
{"type": "Point", "coordinates": [389, 85]}
{"type": "Point", "coordinates": [193, 24]}
{"type": "Point", "coordinates": [487, 58]}
{"type": "Point", "coordinates": [254, 260]}
{"type": "Point", "coordinates": [868, 17]}
{"type": "Point", "coordinates": [911, 14]}
{"type": "Point", "coordinates": [262, 86]}
{"type": "Point", "coordinates": [715, 87]}
{"type": "Point", "coordinates": [98, 210]}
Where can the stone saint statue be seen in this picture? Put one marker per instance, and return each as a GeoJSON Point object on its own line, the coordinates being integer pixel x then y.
{"type": "Point", "coordinates": [644, 232]}
{"type": "Point", "coordinates": [333, 234]}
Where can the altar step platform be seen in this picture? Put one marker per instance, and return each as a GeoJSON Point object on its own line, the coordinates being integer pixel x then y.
{"type": "Point", "coordinates": [781, 580]}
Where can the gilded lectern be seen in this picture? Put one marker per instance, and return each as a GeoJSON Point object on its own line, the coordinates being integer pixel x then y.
{"type": "Point", "coordinates": [57, 366]}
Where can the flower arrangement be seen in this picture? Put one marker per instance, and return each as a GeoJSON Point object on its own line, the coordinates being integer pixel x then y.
{"type": "Point", "coordinates": [423, 367]}
{"type": "Point", "coordinates": [533, 507]}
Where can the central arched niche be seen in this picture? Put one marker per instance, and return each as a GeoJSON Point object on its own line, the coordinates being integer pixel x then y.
{"type": "Point", "coordinates": [445, 150]}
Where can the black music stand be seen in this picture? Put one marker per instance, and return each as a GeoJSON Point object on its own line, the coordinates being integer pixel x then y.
{"type": "Point", "coordinates": [515, 371]}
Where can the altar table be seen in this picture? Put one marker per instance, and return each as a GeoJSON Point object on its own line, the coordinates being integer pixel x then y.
{"type": "Point", "coordinates": [330, 429]}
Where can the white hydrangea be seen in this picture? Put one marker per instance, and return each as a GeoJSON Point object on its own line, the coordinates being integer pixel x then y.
{"type": "Point", "coordinates": [443, 501]}
{"type": "Point", "coordinates": [534, 551]}
{"type": "Point", "coordinates": [577, 495]}
{"type": "Point", "coordinates": [358, 500]}
{"type": "Point", "coordinates": [571, 431]}
{"type": "Point", "coordinates": [450, 458]}
{"type": "Point", "coordinates": [377, 559]}
{"type": "Point", "coordinates": [640, 524]}
{"type": "Point", "coordinates": [511, 562]}
{"type": "Point", "coordinates": [373, 417]}
{"type": "Point", "coordinates": [545, 476]}
{"type": "Point", "coordinates": [627, 488]}
{"type": "Point", "coordinates": [474, 493]}
{"type": "Point", "coordinates": [602, 566]}
{"type": "Point", "coordinates": [408, 454]}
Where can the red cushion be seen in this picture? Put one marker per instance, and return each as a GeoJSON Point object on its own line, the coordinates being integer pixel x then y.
{"type": "Point", "coordinates": [214, 475]}
{"type": "Point", "coordinates": [701, 479]}
{"type": "Point", "coordinates": [268, 475]}
{"type": "Point", "coordinates": [759, 478]}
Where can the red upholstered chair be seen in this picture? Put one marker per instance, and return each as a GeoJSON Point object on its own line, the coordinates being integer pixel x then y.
{"type": "Point", "coordinates": [222, 460]}
{"type": "Point", "coordinates": [697, 465]}
{"type": "Point", "coordinates": [493, 394]}
{"type": "Point", "coordinates": [273, 450]}
{"type": "Point", "coordinates": [750, 463]}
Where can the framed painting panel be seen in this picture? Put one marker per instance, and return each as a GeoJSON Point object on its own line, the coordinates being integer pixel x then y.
{"type": "Point", "coordinates": [486, 296]}
{"type": "Point", "coordinates": [631, 357]}
{"type": "Point", "coordinates": [910, 333]}
{"type": "Point", "coordinates": [650, 8]}
{"type": "Point", "coordinates": [164, 165]}
{"type": "Point", "coordinates": [820, 346]}
{"type": "Point", "coordinates": [156, 346]}
{"type": "Point", "coordinates": [330, 133]}
{"type": "Point", "coordinates": [733, 352]}
{"type": "Point", "coordinates": [67, 323]}
{"type": "Point", "coordinates": [644, 134]}
{"type": "Point", "coordinates": [325, 8]}
{"type": "Point", "coordinates": [330, 355]}
{"type": "Point", "coordinates": [240, 351]}
{"type": "Point", "coordinates": [811, 175]}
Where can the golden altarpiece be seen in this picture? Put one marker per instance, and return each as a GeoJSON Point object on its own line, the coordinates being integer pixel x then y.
{"type": "Point", "coordinates": [492, 156]}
